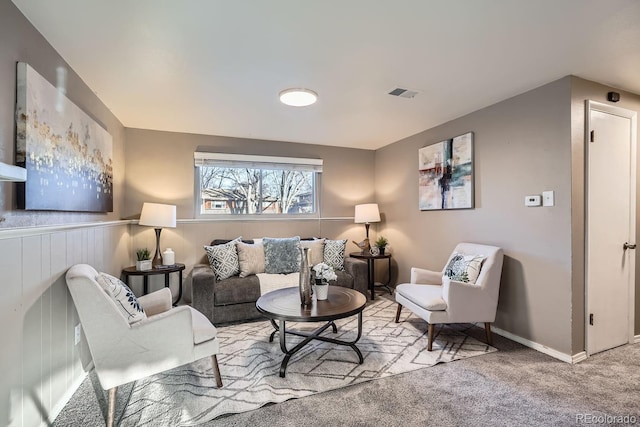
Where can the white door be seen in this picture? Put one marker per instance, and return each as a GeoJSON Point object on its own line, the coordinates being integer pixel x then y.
{"type": "Point", "coordinates": [610, 257]}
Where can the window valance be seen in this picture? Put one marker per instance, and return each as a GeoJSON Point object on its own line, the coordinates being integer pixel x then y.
{"type": "Point", "coordinates": [202, 158]}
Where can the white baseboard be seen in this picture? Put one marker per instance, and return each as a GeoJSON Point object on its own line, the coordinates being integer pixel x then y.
{"type": "Point", "coordinates": [64, 399]}
{"type": "Point", "coordinates": [579, 357]}
{"type": "Point", "coordinates": [576, 358]}
{"type": "Point", "coordinates": [539, 347]}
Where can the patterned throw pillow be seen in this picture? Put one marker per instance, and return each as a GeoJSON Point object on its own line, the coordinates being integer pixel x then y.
{"type": "Point", "coordinates": [464, 268]}
{"type": "Point", "coordinates": [334, 253]}
{"type": "Point", "coordinates": [316, 249]}
{"type": "Point", "coordinates": [122, 296]}
{"type": "Point", "coordinates": [250, 258]}
{"type": "Point", "coordinates": [281, 256]}
{"type": "Point", "coordinates": [224, 259]}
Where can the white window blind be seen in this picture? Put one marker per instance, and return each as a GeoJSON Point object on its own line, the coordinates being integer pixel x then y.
{"type": "Point", "coordinates": [202, 158]}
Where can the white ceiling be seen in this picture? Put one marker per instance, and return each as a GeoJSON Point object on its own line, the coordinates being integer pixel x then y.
{"type": "Point", "coordinates": [216, 66]}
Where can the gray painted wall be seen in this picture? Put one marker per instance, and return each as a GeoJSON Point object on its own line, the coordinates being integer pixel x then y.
{"type": "Point", "coordinates": [160, 169]}
{"type": "Point", "coordinates": [521, 148]}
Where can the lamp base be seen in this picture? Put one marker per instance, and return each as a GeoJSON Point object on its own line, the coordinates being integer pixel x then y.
{"type": "Point", "coordinates": [157, 259]}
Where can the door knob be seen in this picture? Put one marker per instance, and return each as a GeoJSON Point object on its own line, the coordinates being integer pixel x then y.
{"type": "Point", "coordinates": [628, 245]}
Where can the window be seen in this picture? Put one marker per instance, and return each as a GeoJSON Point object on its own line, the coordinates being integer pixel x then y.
{"type": "Point", "coordinates": [232, 184]}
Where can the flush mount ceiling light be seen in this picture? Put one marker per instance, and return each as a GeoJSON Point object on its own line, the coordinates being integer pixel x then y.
{"type": "Point", "coordinates": [298, 97]}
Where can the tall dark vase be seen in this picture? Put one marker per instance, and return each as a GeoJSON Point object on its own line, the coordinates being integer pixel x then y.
{"type": "Point", "coordinates": [305, 278]}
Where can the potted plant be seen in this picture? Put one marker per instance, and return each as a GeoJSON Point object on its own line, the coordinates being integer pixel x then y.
{"type": "Point", "coordinates": [381, 244]}
{"type": "Point", "coordinates": [323, 274]}
{"type": "Point", "coordinates": [143, 262]}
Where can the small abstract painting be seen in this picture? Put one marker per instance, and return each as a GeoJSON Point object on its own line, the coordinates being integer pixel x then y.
{"type": "Point", "coordinates": [67, 154]}
{"type": "Point", "coordinates": [446, 174]}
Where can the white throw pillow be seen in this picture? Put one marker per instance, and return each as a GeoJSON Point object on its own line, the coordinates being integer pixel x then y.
{"type": "Point", "coordinates": [250, 258]}
{"type": "Point", "coordinates": [316, 248]}
{"type": "Point", "coordinates": [464, 268]}
{"type": "Point", "coordinates": [122, 296]}
{"type": "Point", "coordinates": [224, 259]}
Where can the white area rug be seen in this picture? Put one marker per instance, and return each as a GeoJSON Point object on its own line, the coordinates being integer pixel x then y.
{"type": "Point", "coordinates": [250, 365]}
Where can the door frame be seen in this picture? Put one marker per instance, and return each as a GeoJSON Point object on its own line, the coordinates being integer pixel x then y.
{"type": "Point", "coordinates": [632, 115]}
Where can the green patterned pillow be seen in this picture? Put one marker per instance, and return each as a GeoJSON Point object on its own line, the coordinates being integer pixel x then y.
{"type": "Point", "coordinates": [281, 256]}
{"type": "Point", "coordinates": [464, 268]}
{"type": "Point", "coordinates": [224, 259]}
{"type": "Point", "coordinates": [334, 253]}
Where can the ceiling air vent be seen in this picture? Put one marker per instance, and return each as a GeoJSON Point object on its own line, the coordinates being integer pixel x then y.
{"type": "Point", "coordinates": [403, 93]}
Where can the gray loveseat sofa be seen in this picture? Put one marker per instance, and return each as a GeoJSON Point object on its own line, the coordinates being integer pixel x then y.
{"type": "Point", "coordinates": [234, 298]}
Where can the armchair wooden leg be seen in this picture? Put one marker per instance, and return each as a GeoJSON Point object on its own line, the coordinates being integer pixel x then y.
{"type": "Point", "coordinates": [430, 331]}
{"type": "Point", "coordinates": [487, 330]}
{"type": "Point", "coordinates": [398, 312]}
{"type": "Point", "coordinates": [111, 407]}
{"type": "Point", "coordinates": [216, 370]}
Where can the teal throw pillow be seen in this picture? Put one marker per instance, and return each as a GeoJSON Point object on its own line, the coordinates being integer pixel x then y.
{"type": "Point", "coordinates": [281, 256]}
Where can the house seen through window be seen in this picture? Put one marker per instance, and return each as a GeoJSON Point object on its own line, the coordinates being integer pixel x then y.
{"type": "Point", "coordinates": [230, 184]}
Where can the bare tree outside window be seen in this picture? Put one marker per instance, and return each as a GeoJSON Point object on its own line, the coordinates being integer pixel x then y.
{"type": "Point", "coordinates": [292, 190]}
{"type": "Point", "coordinates": [245, 191]}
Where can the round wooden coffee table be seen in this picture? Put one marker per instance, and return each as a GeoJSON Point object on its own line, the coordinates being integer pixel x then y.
{"type": "Point", "coordinates": [284, 305]}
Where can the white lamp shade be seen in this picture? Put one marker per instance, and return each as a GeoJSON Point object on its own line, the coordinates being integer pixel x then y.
{"type": "Point", "coordinates": [367, 213]}
{"type": "Point", "coordinates": [158, 215]}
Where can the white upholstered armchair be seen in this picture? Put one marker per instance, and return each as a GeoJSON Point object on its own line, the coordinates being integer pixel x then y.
{"type": "Point", "coordinates": [123, 351]}
{"type": "Point", "coordinates": [438, 299]}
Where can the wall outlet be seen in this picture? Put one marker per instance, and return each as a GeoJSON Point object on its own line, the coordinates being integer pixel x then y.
{"type": "Point", "coordinates": [532, 201]}
{"type": "Point", "coordinates": [78, 332]}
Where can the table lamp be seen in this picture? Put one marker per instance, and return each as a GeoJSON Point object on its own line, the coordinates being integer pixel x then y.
{"type": "Point", "coordinates": [366, 213]}
{"type": "Point", "coordinates": [158, 215]}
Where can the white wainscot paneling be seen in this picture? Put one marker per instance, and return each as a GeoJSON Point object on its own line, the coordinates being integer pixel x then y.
{"type": "Point", "coordinates": [40, 364]}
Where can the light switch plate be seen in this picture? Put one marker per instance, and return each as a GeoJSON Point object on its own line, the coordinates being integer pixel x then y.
{"type": "Point", "coordinates": [547, 198]}
{"type": "Point", "coordinates": [78, 331]}
{"type": "Point", "coordinates": [532, 201]}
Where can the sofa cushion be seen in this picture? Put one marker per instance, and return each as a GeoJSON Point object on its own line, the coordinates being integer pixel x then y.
{"type": "Point", "coordinates": [281, 256]}
{"type": "Point", "coordinates": [316, 248]}
{"type": "Point", "coordinates": [236, 290]}
{"type": "Point", "coordinates": [250, 258]}
{"type": "Point", "coordinates": [124, 298]}
{"type": "Point", "coordinates": [334, 253]}
{"type": "Point", "coordinates": [224, 259]}
{"type": "Point", "coordinates": [464, 268]}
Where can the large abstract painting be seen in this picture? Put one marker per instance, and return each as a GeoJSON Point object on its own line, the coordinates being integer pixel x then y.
{"type": "Point", "coordinates": [68, 156]}
{"type": "Point", "coordinates": [446, 174]}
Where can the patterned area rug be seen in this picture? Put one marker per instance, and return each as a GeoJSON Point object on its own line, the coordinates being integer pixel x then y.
{"type": "Point", "coordinates": [250, 365]}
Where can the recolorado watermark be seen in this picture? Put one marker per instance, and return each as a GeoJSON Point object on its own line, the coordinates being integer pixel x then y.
{"type": "Point", "coordinates": [605, 419]}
